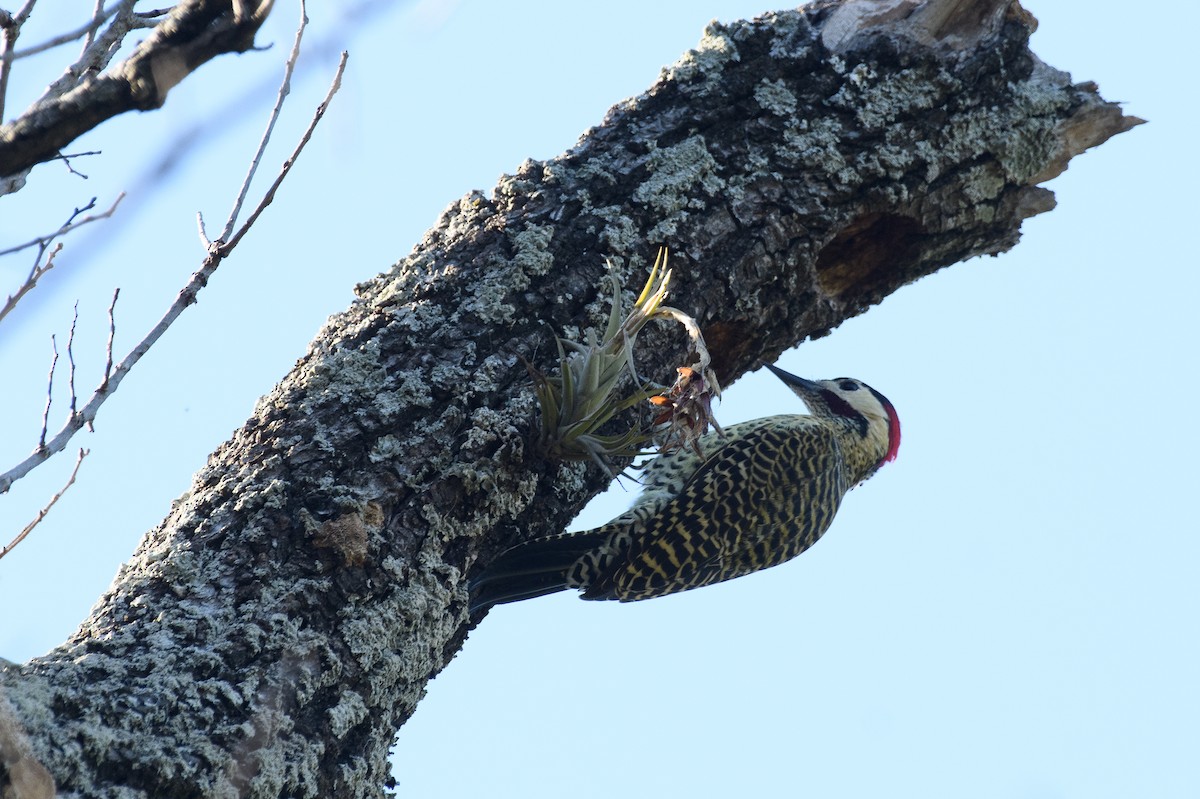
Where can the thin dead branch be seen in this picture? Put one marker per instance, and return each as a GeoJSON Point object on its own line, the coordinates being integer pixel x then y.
{"type": "Point", "coordinates": [66, 159]}
{"type": "Point", "coordinates": [112, 334]}
{"type": "Point", "coordinates": [85, 31]}
{"type": "Point", "coordinates": [49, 396]}
{"type": "Point", "coordinates": [269, 197]}
{"type": "Point", "coordinates": [208, 129]}
{"type": "Point", "coordinates": [71, 360]}
{"type": "Point", "coordinates": [43, 243]}
{"type": "Point", "coordinates": [70, 225]}
{"type": "Point", "coordinates": [285, 88]}
{"type": "Point", "coordinates": [217, 252]}
{"type": "Point", "coordinates": [83, 453]}
{"type": "Point", "coordinates": [39, 269]}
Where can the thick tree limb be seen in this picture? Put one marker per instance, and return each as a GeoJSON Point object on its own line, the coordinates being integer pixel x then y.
{"type": "Point", "coordinates": [193, 33]}
{"type": "Point", "coordinates": [273, 632]}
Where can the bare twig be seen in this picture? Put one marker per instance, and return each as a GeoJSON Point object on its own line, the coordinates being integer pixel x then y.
{"type": "Point", "coordinates": [43, 243]}
{"type": "Point", "coordinates": [285, 89]}
{"type": "Point", "coordinates": [291, 161]}
{"type": "Point", "coordinates": [66, 159]}
{"type": "Point", "coordinates": [35, 275]}
{"type": "Point", "coordinates": [83, 453]}
{"type": "Point", "coordinates": [205, 242]}
{"type": "Point", "coordinates": [49, 396]}
{"type": "Point", "coordinates": [217, 252]}
{"type": "Point", "coordinates": [69, 226]}
{"type": "Point", "coordinates": [87, 29]}
{"type": "Point", "coordinates": [71, 359]}
{"type": "Point", "coordinates": [210, 128]}
{"type": "Point", "coordinates": [112, 334]}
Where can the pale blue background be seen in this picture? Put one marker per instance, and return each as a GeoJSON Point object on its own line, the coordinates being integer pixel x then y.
{"type": "Point", "coordinates": [1009, 610]}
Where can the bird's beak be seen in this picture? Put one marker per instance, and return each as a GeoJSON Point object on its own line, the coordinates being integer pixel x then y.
{"type": "Point", "coordinates": [793, 382]}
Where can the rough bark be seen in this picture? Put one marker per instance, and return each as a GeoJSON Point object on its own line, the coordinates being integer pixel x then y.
{"type": "Point", "coordinates": [270, 636]}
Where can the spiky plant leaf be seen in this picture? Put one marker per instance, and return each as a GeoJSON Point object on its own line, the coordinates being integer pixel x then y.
{"type": "Point", "coordinates": [580, 400]}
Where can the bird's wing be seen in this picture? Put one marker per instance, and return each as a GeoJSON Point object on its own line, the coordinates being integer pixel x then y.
{"type": "Point", "coordinates": [728, 511]}
{"type": "Point", "coordinates": [667, 474]}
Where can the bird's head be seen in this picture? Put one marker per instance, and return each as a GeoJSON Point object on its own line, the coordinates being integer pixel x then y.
{"type": "Point", "coordinates": [854, 403]}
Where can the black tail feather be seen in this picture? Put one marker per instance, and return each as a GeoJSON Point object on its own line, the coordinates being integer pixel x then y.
{"type": "Point", "coordinates": [532, 569]}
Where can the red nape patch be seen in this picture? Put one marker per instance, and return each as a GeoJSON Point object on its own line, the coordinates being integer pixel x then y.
{"type": "Point", "coordinates": [893, 427]}
{"type": "Point", "coordinates": [893, 433]}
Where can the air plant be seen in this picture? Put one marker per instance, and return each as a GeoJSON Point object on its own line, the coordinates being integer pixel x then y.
{"type": "Point", "coordinates": [580, 400]}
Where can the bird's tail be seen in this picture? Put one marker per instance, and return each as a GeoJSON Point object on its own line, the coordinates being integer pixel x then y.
{"type": "Point", "coordinates": [534, 568]}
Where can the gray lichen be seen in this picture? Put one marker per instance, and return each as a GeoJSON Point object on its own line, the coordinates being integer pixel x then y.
{"type": "Point", "coordinates": [775, 97]}
{"type": "Point", "coordinates": [677, 174]}
{"type": "Point", "coordinates": [532, 246]}
{"type": "Point", "coordinates": [706, 61]}
{"type": "Point", "coordinates": [349, 712]}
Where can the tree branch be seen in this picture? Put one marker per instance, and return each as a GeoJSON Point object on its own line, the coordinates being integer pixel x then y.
{"type": "Point", "coordinates": [217, 252]}
{"type": "Point", "coordinates": [10, 29]}
{"type": "Point", "coordinates": [87, 29]}
{"type": "Point", "coordinates": [67, 227]}
{"type": "Point", "coordinates": [285, 88]}
{"type": "Point", "coordinates": [194, 32]}
{"type": "Point", "coordinates": [83, 453]}
{"type": "Point", "coordinates": [206, 131]}
{"type": "Point", "coordinates": [271, 634]}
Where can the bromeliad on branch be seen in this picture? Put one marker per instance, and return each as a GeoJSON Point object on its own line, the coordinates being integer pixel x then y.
{"type": "Point", "coordinates": [582, 398]}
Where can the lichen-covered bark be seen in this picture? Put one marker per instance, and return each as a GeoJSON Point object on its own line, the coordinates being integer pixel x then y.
{"type": "Point", "coordinates": [271, 634]}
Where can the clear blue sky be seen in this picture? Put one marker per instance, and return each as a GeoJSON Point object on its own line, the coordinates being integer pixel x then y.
{"type": "Point", "coordinates": [1009, 610]}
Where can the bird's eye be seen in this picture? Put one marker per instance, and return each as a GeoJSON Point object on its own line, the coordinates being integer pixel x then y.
{"type": "Point", "coordinates": [847, 385]}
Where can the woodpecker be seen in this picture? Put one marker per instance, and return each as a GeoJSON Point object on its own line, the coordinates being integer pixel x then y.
{"type": "Point", "coordinates": [753, 497]}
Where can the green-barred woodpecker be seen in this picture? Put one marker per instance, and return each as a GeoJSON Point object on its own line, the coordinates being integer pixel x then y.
{"type": "Point", "coordinates": [754, 497]}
